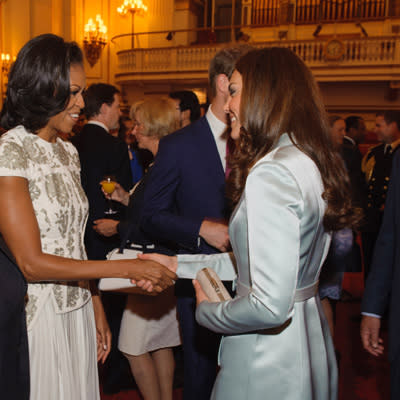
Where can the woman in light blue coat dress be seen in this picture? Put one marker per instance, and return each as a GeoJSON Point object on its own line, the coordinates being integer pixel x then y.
{"type": "Point", "coordinates": [288, 191]}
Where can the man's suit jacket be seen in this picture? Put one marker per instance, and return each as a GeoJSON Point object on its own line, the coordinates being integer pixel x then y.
{"type": "Point", "coordinates": [100, 154]}
{"type": "Point", "coordinates": [383, 283]}
{"type": "Point", "coordinates": [129, 228]}
{"type": "Point", "coordinates": [14, 354]}
{"type": "Point", "coordinates": [352, 158]}
{"type": "Point", "coordinates": [187, 184]}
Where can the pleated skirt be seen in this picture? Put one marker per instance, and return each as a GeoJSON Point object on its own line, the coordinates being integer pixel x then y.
{"type": "Point", "coordinates": [63, 355]}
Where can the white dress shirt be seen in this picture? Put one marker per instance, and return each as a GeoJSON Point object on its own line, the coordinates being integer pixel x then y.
{"type": "Point", "coordinates": [99, 124]}
{"type": "Point", "coordinates": [218, 128]}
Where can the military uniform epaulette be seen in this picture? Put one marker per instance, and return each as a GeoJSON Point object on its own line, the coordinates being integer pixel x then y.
{"type": "Point", "coordinates": [395, 145]}
{"type": "Point", "coordinates": [373, 150]}
{"type": "Point", "coordinates": [377, 166]}
{"type": "Point", "coordinates": [368, 161]}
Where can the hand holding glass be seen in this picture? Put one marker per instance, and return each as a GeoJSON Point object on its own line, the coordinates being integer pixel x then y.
{"type": "Point", "coordinates": [108, 185]}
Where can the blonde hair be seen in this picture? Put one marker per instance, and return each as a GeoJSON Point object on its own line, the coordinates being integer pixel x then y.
{"type": "Point", "coordinates": [157, 116]}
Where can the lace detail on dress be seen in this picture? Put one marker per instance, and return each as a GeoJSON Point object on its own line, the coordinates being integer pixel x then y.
{"type": "Point", "coordinates": [60, 205]}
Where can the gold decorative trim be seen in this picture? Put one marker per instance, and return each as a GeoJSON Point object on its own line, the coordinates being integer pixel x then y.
{"type": "Point", "coordinates": [333, 50]}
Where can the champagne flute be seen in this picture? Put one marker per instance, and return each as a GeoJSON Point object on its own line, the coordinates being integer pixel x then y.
{"type": "Point", "coordinates": [108, 185]}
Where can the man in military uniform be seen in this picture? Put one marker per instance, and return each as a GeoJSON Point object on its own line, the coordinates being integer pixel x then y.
{"type": "Point", "coordinates": [377, 166]}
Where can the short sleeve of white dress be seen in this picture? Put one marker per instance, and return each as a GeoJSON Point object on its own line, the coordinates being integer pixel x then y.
{"type": "Point", "coordinates": [60, 204]}
{"type": "Point", "coordinates": [13, 160]}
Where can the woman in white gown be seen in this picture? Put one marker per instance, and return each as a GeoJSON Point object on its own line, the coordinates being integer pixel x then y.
{"type": "Point", "coordinates": [43, 212]}
{"type": "Point", "coordinates": [290, 191]}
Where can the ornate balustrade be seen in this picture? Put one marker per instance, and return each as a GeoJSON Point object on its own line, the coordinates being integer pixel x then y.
{"type": "Point", "coordinates": [272, 12]}
{"type": "Point", "coordinates": [382, 54]}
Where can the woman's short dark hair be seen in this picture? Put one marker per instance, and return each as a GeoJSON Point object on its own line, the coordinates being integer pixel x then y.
{"type": "Point", "coordinates": [39, 82]}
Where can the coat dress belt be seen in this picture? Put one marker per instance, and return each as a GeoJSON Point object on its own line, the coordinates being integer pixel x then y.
{"type": "Point", "coordinates": [301, 294]}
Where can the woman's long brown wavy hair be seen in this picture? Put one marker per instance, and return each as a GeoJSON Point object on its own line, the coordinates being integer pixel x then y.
{"type": "Point", "coordinates": [279, 95]}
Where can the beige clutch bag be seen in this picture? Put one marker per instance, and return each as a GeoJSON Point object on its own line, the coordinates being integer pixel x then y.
{"type": "Point", "coordinates": [212, 285]}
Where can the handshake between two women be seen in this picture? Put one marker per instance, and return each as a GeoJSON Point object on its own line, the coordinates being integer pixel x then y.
{"type": "Point", "coordinates": [153, 278]}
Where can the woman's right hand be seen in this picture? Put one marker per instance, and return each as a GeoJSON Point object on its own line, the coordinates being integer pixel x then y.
{"type": "Point", "coordinates": [151, 276]}
{"type": "Point", "coordinates": [119, 194]}
{"type": "Point", "coordinates": [171, 262]}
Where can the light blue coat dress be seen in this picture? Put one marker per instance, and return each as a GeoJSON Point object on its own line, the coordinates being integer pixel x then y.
{"type": "Point", "coordinates": [276, 342]}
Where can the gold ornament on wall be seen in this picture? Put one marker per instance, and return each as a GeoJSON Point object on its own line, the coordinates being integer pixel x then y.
{"type": "Point", "coordinates": [333, 50]}
{"type": "Point", "coordinates": [95, 38]}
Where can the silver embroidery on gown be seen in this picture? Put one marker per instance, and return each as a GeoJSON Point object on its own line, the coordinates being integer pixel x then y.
{"type": "Point", "coordinates": [60, 205]}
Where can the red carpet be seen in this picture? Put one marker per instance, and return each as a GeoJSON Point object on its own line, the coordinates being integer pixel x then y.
{"type": "Point", "coordinates": [134, 395]}
{"type": "Point", "coordinates": [361, 376]}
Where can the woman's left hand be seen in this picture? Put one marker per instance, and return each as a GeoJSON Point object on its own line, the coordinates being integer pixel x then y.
{"type": "Point", "coordinates": [200, 295]}
{"type": "Point", "coordinates": [103, 332]}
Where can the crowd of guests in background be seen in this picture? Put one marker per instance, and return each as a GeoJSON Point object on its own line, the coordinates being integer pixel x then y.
{"type": "Point", "coordinates": [300, 195]}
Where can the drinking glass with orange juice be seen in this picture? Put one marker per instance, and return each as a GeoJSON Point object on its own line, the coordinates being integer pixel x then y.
{"type": "Point", "coordinates": [108, 185]}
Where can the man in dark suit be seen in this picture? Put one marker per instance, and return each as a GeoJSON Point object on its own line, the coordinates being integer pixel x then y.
{"type": "Point", "coordinates": [377, 166]}
{"type": "Point", "coordinates": [102, 154]}
{"type": "Point", "coordinates": [383, 283]}
{"type": "Point", "coordinates": [184, 199]}
{"type": "Point", "coordinates": [187, 106]}
{"type": "Point", "coordinates": [355, 132]}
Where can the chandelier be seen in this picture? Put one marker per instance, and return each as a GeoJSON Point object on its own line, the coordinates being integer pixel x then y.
{"type": "Point", "coordinates": [95, 38]}
{"type": "Point", "coordinates": [134, 7]}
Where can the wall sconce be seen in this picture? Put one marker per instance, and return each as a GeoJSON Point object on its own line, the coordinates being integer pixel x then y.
{"type": "Point", "coordinates": [95, 39]}
{"type": "Point", "coordinates": [364, 32]}
{"type": "Point", "coordinates": [133, 7]}
{"type": "Point", "coordinates": [317, 30]}
{"type": "Point", "coordinates": [5, 64]}
{"type": "Point", "coordinates": [170, 36]}
{"type": "Point", "coordinates": [282, 35]}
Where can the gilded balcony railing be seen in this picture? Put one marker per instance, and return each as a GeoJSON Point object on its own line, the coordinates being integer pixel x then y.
{"type": "Point", "coordinates": [339, 10]}
{"type": "Point", "coordinates": [268, 12]}
{"type": "Point", "coordinates": [361, 52]}
{"type": "Point", "coordinates": [265, 12]}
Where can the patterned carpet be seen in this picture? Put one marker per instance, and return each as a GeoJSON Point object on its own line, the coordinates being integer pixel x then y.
{"type": "Point", "coordinates": [361, 377]}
